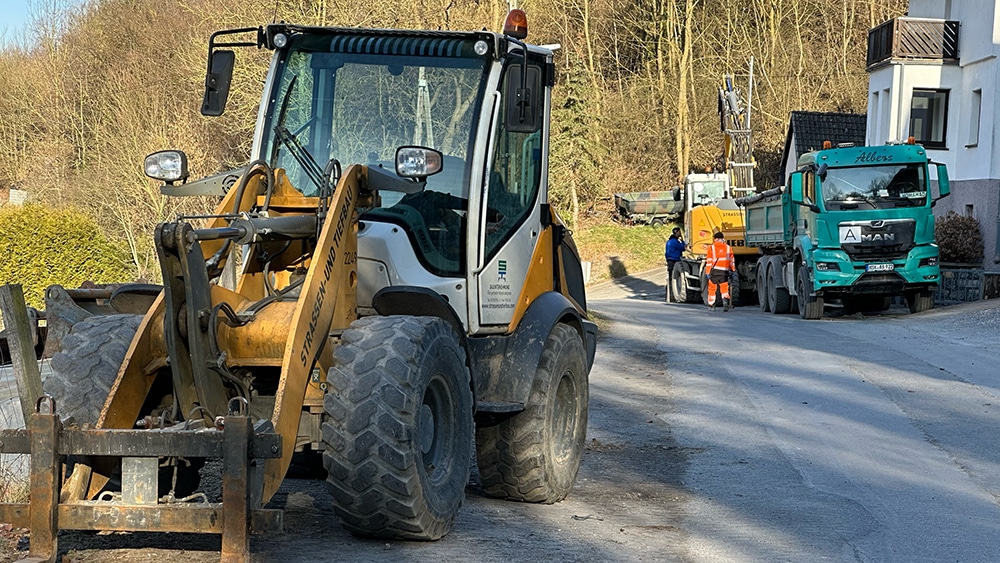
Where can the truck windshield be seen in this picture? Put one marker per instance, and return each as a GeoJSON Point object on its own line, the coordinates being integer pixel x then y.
{"type": "Point", "coordinates": [874, 187]}
{"type": "Point", "coordinates": [357, 98]}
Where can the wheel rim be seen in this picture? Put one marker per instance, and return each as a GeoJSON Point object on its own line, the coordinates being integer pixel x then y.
{"type": "Point", "coordinates": [436, 431]}
{"type": "Point", "coordinates": [564, 418]}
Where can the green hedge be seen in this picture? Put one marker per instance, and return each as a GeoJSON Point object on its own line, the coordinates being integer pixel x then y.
{"type": "Point", "coordinates": [959, 238]}
{"type": "Point", "coordinates": [40, 247]}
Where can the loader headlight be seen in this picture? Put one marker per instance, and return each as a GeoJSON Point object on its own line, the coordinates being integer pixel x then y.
{"type": "Point", "coordinates": [417, 162]}
{"type": "Point", "coordinates": [167, 166]}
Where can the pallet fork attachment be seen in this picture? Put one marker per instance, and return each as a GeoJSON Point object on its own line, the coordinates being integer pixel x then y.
{"type": "Point", "coordinates": [240, 447]}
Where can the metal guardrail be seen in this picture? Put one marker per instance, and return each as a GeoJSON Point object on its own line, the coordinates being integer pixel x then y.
{"type": "Point", "coordinates": [913, 38]}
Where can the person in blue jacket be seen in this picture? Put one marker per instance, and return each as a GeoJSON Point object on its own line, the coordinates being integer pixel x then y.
{"type": "Point", "coordinates": [675, 247]}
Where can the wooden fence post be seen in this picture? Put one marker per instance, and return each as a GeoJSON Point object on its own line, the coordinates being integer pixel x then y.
{"type": "Point", "coordinates": [22, 351]}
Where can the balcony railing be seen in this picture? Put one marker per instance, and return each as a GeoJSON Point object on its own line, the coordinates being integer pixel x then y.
{"type": "Point", "coordinates": [913, 38]}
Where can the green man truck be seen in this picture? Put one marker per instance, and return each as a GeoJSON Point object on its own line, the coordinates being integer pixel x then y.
{"type": "Point", "coordinates": [852, 225]}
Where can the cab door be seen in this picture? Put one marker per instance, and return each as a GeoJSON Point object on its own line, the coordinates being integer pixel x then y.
{"type": "Point", "coordinates": [515, 187]}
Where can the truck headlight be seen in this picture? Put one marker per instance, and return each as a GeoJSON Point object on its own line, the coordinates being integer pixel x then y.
{"type": "Point", "coordinates": [827, 267]}
{"type": "Point", "coordinates": [932, 261]}
{"type": "Point", "coordinates": [167, 166]}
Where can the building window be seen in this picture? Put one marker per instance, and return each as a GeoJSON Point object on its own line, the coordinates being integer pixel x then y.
{"type": "Point", "coordinates": [974, 111]}
{"type": "Point", "coordinates": [929, 117]}
{"type": "Point", "coordinates": [873, 120]}
{"type": "Point", "coordinates": [885, 113]}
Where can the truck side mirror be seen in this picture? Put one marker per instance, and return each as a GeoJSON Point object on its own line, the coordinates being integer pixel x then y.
{"type": "Point", "coordinates": [944, 185]}
{"type": "Point", "coordinates": [217, 80]}
{"type": "Point", "coordinates": [795, 186]}
{"type": "Point", "coordinates": [523, 98]}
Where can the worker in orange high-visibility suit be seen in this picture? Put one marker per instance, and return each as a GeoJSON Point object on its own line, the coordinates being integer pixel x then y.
{"type": "Point", "coordinates": [719, 263]}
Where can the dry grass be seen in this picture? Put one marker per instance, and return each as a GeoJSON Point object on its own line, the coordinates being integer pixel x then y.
{"type": "Point", "coordinates": [616, 250]}
{"type": "Point", "coordinates": [13, 488]}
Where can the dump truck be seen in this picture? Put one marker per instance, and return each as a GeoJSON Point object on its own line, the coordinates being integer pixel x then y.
{"type": "Point", "coordinates": [853, 226]}
{"type": "Point", "coordinates": [655, 208]}
{"type": "Point", "coordinates": [709, 206]}
{"type": "Point", "coordinates": [404, 293]}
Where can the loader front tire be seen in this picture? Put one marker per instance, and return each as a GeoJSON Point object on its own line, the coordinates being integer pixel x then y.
{"type": "Point", "coordinates": [681, 289]}
{"type": "Point", "coordinates": [398, 427]}
{"type": "Point", "coordinates": [87, 363]}
{"type": "Point", "coordinates": [535, 455]}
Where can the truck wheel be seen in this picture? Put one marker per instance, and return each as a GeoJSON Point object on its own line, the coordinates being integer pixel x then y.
{"type": "Point", "coordinates": [781, 302]}
{"type": "Point", "coordinates": [681, 289]}
{"type": "Point", "coordinates": [762, 289]}
{"type": "Point", "coordinates": [810, 308]}
{"type": "Point", "coordinates": [535, 455]}
{"type": "Point", "coordinates": [398, 427]}
{"type": "Point", "coordinates": [656, 222]}
{"type": "Point", "coordinates": [87, 364]}
{"type": "Point", "coordinates": [920, 301]}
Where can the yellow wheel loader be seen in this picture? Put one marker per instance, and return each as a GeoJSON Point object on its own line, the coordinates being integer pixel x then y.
{"type": "Point", "coordinates": [385, 285]}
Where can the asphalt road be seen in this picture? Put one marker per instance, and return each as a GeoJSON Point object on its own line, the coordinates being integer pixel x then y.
{"type": "Point", "coordinates": [862, 438]}
{"type": "Point", "coordinates": [716, 437]}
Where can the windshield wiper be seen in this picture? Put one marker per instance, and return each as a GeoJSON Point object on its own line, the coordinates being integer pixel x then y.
{"type": "Point", "coordinates": [303, 157]}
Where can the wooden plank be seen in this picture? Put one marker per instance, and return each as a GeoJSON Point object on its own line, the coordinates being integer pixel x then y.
{"type": "Point", "coordinates": [45, 467]}
{"type": "Point", "coordinates": [22, 352]}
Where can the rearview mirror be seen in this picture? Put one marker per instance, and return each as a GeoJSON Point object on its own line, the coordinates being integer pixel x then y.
{"type": "Point", "coordinates": [523, 98]}
{"type": "Point", "coordinates": [944, 185]}
{"type": "Point", "coordinates": [821, 171]}
{"type": "Point", "coordinates": [796, 192]}
{"type": "Point", "coordinates": [217, 80]}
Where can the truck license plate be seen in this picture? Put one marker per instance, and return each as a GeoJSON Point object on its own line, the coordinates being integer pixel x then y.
{"type": "Point", "coordinates": [880, 267]}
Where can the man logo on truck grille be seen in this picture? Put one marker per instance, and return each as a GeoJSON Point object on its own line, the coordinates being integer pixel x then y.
{"type": "Point", "coordinates": [854, 235]}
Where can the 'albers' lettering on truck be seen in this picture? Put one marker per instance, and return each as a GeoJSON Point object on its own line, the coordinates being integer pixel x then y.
{"type": "Point", "coordinates": [852, 225]}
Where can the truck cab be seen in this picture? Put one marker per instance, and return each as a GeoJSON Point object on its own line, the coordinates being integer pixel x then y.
{"type": "Point", "coordinates": [862, 229]}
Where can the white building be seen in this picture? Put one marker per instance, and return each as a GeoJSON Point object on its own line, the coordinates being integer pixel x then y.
{"type": "Point", "coordinates": [934, 75]}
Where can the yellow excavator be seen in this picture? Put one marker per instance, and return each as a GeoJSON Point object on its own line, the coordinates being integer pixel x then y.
{"type": "Point", "coordinates": [384, 287]}
{"type": "Point", "coordinates": [709, 204]}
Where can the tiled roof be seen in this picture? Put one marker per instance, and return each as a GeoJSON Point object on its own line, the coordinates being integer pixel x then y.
{"type": "Point", "coordinates": [811, 128]}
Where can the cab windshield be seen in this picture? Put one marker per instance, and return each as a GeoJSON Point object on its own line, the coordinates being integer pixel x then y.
{"type": "Point", "coordinates": [356, 99]}
{"type": "Point", "coordinates": [707, 192]}
{"type": "Point", "coordinates": [874, 187]}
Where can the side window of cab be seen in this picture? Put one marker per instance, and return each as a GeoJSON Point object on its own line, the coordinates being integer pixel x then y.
{"type": "Point", "coordinates": [515, 166]}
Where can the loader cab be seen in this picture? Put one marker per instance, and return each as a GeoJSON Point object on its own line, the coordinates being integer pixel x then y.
{"type": "Point", "coordinates": [337, 97]}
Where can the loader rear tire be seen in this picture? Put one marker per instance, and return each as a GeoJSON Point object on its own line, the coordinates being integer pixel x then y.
{"type": "Point", "coordinates": [535, 455]}
{"type": "Point", "coordinates": [87, 363]}
{"type": "Point", "coordinates": [398, 427]}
